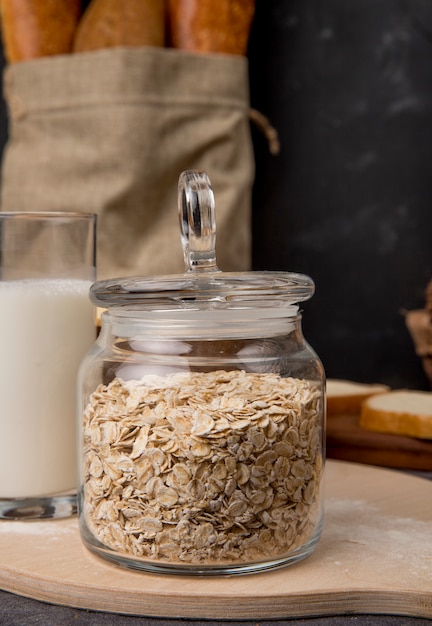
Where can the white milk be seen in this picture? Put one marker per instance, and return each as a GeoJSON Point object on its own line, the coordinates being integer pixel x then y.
{"type": "Point", "coordinates": [46, 327]}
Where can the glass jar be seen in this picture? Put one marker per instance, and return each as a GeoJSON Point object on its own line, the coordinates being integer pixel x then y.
{"type": "Point", "coordinates": [202, 426]}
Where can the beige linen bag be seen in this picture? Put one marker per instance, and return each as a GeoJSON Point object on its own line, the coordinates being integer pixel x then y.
{"type": "Point", "coordinates": [110, 131]}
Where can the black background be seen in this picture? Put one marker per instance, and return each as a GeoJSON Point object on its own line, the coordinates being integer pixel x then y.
{"type": "Point", "coordinates": [348, 86]}
{"type": "Point", "coordinates": [348, 200]}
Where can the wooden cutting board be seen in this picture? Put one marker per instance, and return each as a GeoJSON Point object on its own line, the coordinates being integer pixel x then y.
{"type": "Point", "coordinates": [347, 441]}
{"type": "Point", "coordinates": [375, 556]}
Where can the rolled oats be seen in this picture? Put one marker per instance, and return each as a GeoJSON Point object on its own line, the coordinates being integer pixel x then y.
{"type": "Point", "coordinates": [203, 467]}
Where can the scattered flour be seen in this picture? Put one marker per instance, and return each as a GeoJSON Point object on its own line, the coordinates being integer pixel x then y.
{"type": "Point", "coordinates": [367, 534]}
{"type": "Point", "coordinates": [49, 528]}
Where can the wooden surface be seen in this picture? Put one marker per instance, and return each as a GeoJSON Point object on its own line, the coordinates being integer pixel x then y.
{"type": "Point", "coordinates": [375, 556]}
{"type": "Point", "coordinates": [347, 441]}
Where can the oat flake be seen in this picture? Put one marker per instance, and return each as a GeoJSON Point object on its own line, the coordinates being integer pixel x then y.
{"type": "Point", "coordinates": [203, 467]}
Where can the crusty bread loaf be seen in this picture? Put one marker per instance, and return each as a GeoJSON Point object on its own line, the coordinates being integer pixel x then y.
{"type": "Point", "coordinates": [401, 412]}
{"type": "Point", "coordinates": [37, 28]}
{"type": "Point", "coordinates": [345, 397]}
{"type": "Point", "coordinates": [209, 26]}
{"type": "Point", "coordinates": [112, 23]}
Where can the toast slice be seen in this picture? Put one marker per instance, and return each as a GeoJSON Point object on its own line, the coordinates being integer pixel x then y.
{"type": "Point", "coordinates": [400, 412]}
{"type": "Point", "coordinates": [345, 397]}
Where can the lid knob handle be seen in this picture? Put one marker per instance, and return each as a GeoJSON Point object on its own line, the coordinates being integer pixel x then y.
{"type": "Point", "coordinates": [197, 221]}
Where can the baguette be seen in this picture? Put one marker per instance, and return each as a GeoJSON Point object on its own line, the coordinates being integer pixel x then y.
{"type": "Point", "coordinates": [401, 412]}
{"type": "Point", "coordinates": [345, 397]}
{"type": "Point", "coordinates": [208, 26]}
{"type": "Point", "coordinates": [112, 23]}
{"type": "Point", "coordinates": [38, 28]}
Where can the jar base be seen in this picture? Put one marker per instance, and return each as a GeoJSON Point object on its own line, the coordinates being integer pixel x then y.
{"type": "Point", "coordinates": [219, 569]}
{"type": "Point", "coordinates": [43, 507]}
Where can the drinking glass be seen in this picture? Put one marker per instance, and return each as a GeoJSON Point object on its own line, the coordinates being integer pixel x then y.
{"type": "Point", "coordinates": [47, 323]}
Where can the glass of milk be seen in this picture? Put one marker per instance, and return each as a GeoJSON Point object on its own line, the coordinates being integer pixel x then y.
{"type": "Point", "coordinates": [47, 324]}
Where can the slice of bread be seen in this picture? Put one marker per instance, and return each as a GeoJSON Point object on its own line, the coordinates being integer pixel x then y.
{"type": "Point", "coordinates": [345, 397]}
{"type": "Point", "coordinates": [400, 412]}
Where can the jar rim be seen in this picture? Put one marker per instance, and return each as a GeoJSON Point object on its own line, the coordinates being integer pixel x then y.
{"type": "Point", "coordinates": [196, 324]}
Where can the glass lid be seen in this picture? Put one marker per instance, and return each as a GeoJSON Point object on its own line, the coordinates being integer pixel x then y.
{"type": "Point", "coordinates": [203, 285]}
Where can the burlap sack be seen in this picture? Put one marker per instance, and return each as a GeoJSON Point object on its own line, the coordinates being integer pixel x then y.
{"type": "Point", "coordinates": [110, 131]}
